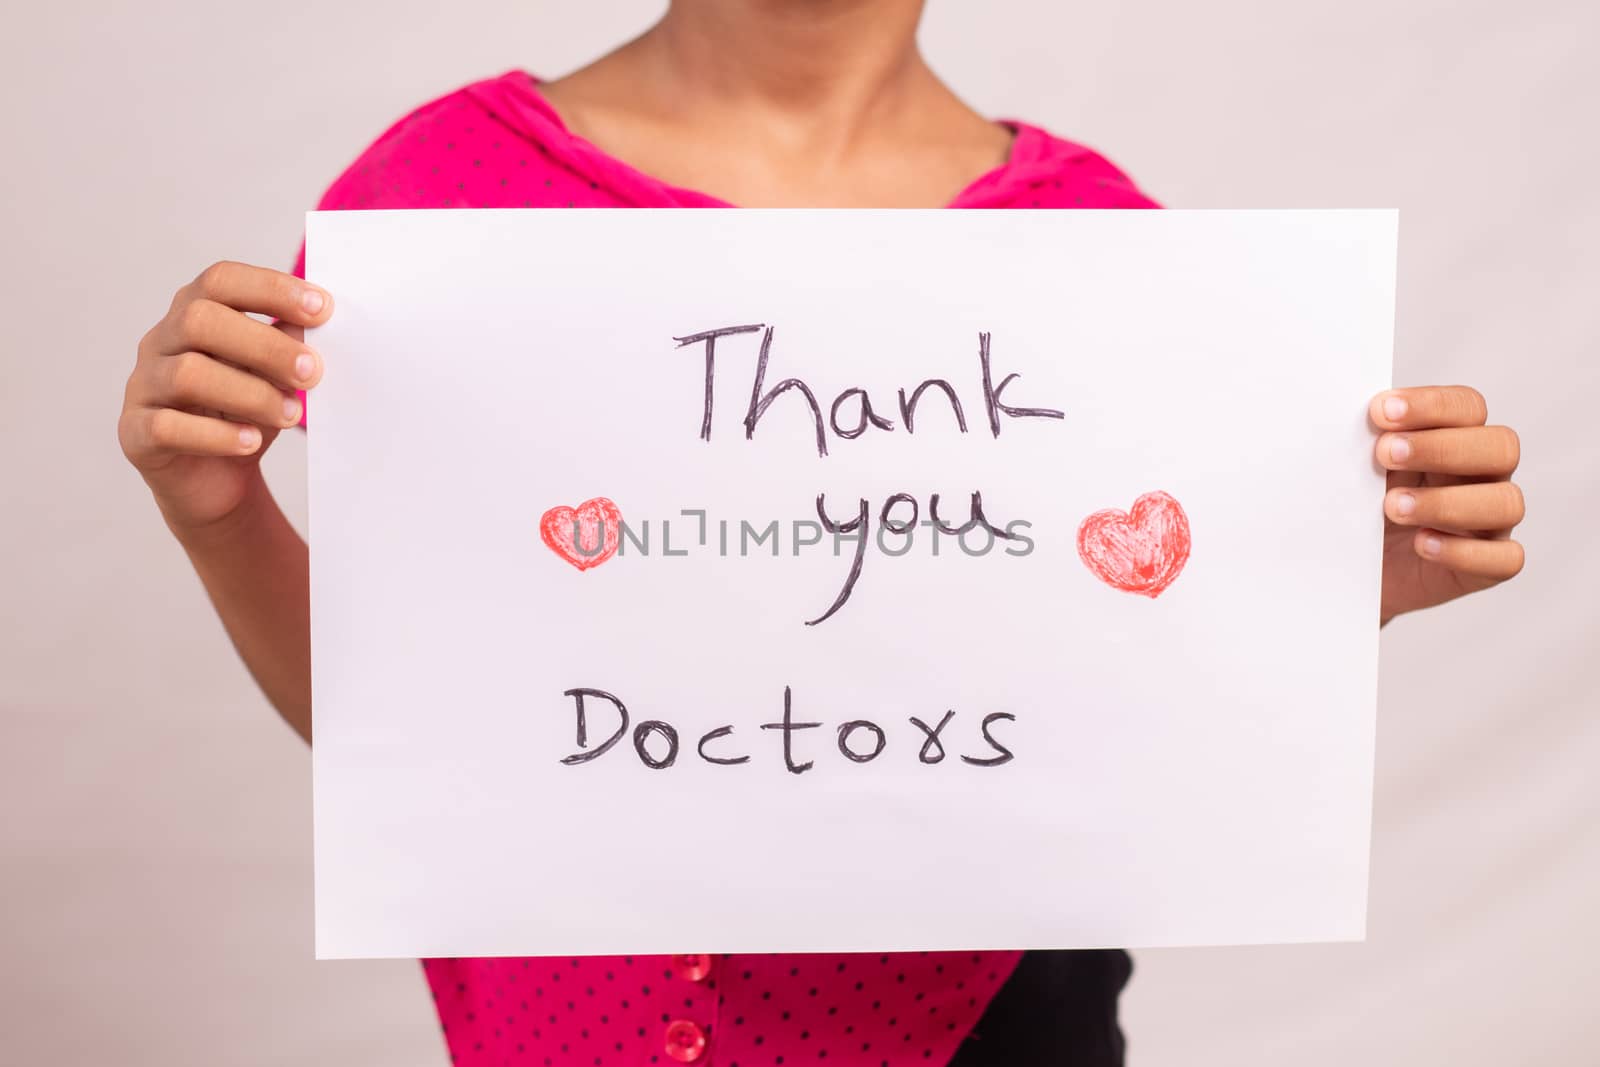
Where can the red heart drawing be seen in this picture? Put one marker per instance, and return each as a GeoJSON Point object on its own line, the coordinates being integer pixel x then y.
{"type": "Point", "coordinates": [585, 536]}
{"type": "Point", "coordinates": [1139, 551]}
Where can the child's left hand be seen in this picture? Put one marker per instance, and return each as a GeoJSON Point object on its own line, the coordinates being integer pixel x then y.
{"type": "Point", "coordinates": [1451, 503]}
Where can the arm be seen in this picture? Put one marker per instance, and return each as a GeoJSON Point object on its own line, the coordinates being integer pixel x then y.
{"type": "Point", "coordinates": [254, 567]}
{"type": "Point", "coordinates": [210, 390]}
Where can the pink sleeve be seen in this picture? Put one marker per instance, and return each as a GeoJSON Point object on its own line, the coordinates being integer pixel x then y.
{"type": "Point", "coordinates": [1114, 189]}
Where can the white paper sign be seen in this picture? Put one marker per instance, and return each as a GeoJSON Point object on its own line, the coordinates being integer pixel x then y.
{"type": "Point", "coordinates": [1101, 672]}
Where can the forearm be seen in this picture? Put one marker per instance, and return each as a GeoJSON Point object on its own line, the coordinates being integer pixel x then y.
{"type": "Point", "coordinates": [255, 568]}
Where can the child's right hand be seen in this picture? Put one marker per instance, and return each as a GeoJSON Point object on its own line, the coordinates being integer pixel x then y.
{"type": "Point", "coordinates": [212, 387]}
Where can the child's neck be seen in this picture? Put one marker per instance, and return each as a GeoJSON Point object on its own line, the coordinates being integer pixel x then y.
{"type": "Point", "coordinates": [827, 64]}
{"type": "Point", "coordinates": [784, 103]}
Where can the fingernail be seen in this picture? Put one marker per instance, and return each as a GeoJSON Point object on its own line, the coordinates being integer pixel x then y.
{"type": "Point", "coordinates": [291, 409]}
{"type": "Point", "coordinates": [1404, 504]}
{"type": "Point", "coordinates": [1432, 546]}
{"type": "Point", "coordinates": [305, 365]}
{"type": "Point", "coordinates": [1399, 450]}
{"type": "Point", "coordinates": [311, 300]}
{"type": "Point", "coordinates": [249, 437]}
{"type": "Point", "coordinates": [1394, 408]}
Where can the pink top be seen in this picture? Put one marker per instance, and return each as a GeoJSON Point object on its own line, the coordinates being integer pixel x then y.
{"type": "Point", "coordinates": [498, 143]}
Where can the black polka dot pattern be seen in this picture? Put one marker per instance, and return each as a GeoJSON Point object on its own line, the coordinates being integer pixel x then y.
{"type": "Point", "coordinates": [896, 1009]}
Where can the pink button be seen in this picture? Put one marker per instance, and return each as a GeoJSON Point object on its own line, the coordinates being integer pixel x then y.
{"type": "Point", "coordinates": [694, 968]}
{"type": "Point", "coordinates": [686, 1042]}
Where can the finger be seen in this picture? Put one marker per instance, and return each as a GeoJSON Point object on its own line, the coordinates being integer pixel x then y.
{"type": "Point", "coordinates": [219, 331]}
{"type": "Point", "coordinates": [1428, 407]}
{"type": "Point", "coordinates": [1474, 506]}
{"type": "Point", "coordinates": [155, 433]}
{"type": "Point", "coordinates": [1493, 560]}
{"type": "Point", "coordinates": [1476, 451]}
{"type": "Point", "coordinates": [195, 380]}
{"type": "Point", "coordinates": [262, 290]}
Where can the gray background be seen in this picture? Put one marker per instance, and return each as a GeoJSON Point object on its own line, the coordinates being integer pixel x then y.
{"type": "Point", "coordinates": [156, 839]}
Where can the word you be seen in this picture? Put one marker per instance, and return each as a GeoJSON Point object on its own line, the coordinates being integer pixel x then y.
{"type": "Point", "coordinates": [657, 742]}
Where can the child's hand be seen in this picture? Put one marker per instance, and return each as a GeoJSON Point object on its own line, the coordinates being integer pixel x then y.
{"type": "Point", "coordinates": [212, 387]}
{"type": "Point", "coordinates": [1451, 503]}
